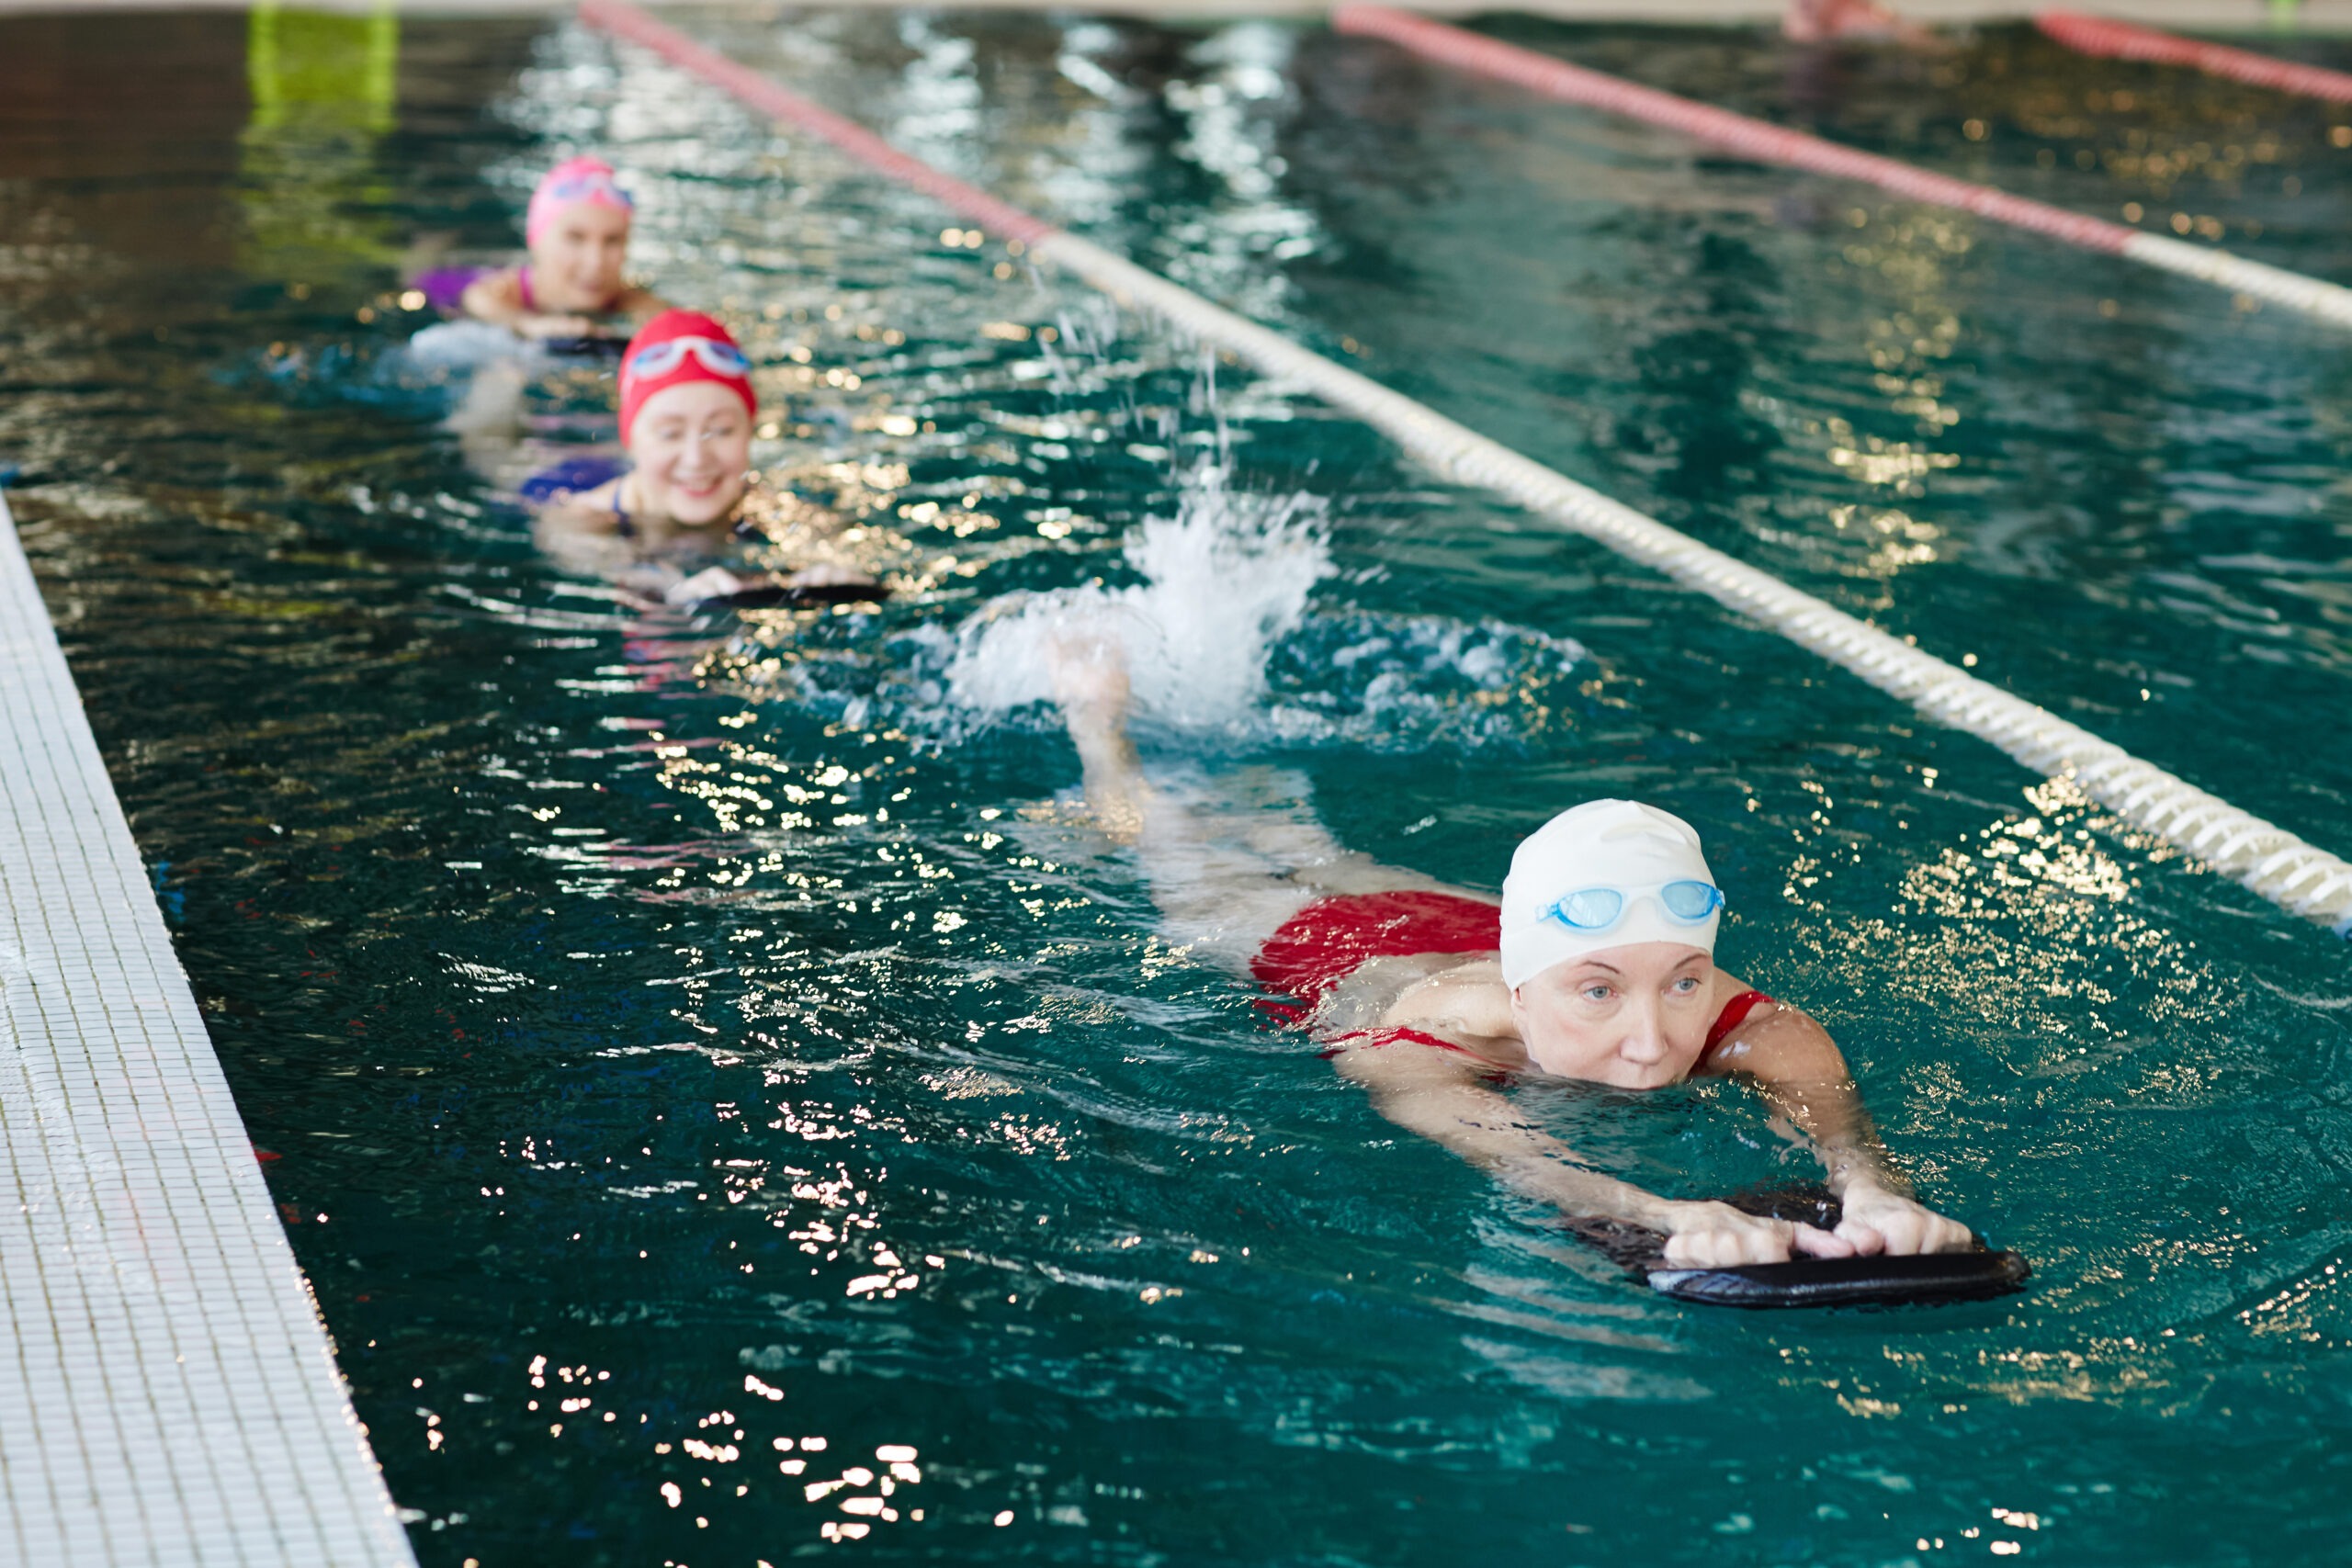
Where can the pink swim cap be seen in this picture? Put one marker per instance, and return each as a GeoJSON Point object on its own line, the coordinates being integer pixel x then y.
{"type": "Point", "coordinates": [569, 184]}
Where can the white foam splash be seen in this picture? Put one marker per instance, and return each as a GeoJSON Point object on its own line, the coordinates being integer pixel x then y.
{"type": "Point", "coordinates": [1223, 580]}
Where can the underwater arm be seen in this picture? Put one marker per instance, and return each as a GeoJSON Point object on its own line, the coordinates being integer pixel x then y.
{"type": "Point", "coordinates": [1091, 685]}
{"type": "Point", "coordinates": [1803, 1075]}
{"type": "Point", "coordinates": [579, 537]}
{"type": "Point", "coordinates": [1437, 1095]}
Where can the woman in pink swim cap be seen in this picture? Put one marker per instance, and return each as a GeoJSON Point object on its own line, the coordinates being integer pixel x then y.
{"type": "Point", "coordinates": [1598, 963]}
{"type": "Point", "coordinates": [577, 229]}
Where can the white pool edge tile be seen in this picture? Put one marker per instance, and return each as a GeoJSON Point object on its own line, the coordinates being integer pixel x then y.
{"type": "Point", "coordinates": [168, 1394]}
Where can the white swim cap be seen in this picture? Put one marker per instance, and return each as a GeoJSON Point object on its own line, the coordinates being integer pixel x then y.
{"type": "Point", "coordinates": [1622, 845]}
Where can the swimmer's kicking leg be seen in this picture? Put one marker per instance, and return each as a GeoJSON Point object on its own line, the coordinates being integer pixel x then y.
{"type": "Point", "coordinates": [1605, 973]}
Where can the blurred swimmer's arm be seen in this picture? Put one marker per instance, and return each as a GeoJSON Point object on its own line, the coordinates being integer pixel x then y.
{"type": "Point", "coordinates": [497, 297]}
{"type": "Point", "coordinates": [1801, 1071]}
{"type": "Point", "coordinates": [1090, 686]}
{"type": "Point", "coordinates": [722, 582]}
{"type": "Point", "coordinates": [579, 534]}
{"type": "Point", "coordinates": [805, 545]}
{"type": "Point", "coordinates": [1437, 1094]}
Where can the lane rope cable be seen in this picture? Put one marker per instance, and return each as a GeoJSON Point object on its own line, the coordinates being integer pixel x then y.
{"type": "Point", "coordinates": [2121, 40]}
{"type": "Point", "coordinates": [1768, 143]}
{"type": "Point", "coordinates": [2269, 860]}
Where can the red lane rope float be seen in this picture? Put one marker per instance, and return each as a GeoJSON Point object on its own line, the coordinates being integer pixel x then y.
{"type": "Point", "coordinates": [1775, 144]}
{"type": "Point", "coordinates": [2121, 40]}
{"type": "Point", "coordinates": [774, 99]}
{"type": "Point", "coordinates": [2264, 856]}
{"type": "Point", "coordinates": [1751, 138]}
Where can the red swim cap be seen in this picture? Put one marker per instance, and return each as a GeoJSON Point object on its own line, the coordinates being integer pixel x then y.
{"type": "Point", "coordinates": [676, 347]}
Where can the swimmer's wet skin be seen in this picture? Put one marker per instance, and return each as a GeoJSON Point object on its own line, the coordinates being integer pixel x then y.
{"type": "Point", "coordinates": [577, 230]}
{"type": "Point", "coordinates": [1924, 1279]}
{"type": "Point", "coordinates": [1599, 965]}
{"type": "Point", "coordinates": [687, 491]}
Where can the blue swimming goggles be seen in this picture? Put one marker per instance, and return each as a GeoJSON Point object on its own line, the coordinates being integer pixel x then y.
{"type": "Point", "coordinates": [1597, 908]}
{"type": "Point", "coordinates": [660, 358]}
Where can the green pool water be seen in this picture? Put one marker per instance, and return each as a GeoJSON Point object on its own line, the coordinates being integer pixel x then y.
{"type": "Point", "coordinates": [707, 1063]}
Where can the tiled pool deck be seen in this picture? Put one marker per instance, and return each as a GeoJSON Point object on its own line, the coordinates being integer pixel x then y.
{"type": "Point", "coordinates": [168, 1394]}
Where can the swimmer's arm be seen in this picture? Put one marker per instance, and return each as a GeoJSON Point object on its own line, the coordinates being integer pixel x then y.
{"type": "Point", "coordinates": [498, 299]}
{"type": "Point", "coordinates": [1437, 1095]}
{"type": "Point", "coordinates": [495, 297]}
{"type": "Point", "coordinates": [1440, 1098]}
{"type": "Point", "coordinates": [789, 526]}
{"type": "Point", "coordinates": [1801, 1072]}
{"type": "Point", "coordinates": [579, 536]}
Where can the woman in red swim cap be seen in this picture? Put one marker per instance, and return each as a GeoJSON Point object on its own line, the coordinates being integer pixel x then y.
{"type": "Point", "coordinates": [690, 492]}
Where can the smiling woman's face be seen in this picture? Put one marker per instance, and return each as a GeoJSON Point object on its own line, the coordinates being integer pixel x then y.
{"type": "Point", "coordinates": [692, 446]}
{"type": "Point", "coordinates": [1632, 1017]}
{"type": "Point", "coordinates": [576, 263]}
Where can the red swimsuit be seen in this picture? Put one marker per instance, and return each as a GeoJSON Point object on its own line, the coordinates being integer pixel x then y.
{"type": "Point", "coordinates": [1331, 938]}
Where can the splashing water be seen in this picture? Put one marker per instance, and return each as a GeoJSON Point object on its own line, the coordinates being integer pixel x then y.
{"type": "Point", "coordinates": [1224, 580]}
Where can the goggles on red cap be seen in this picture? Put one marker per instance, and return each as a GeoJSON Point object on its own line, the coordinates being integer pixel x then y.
{"type": "Point", "coordinates": [660, 358]}
{"type": "Point", "coordinates": [674, 348]}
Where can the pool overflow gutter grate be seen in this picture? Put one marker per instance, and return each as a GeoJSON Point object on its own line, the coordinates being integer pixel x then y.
{"type": "Point", "coordinates": [169, 1396]}
{"type": "Point", "coordinates": [2267, 859]}
{"type": "Point", "coordinates": [1768, 143]}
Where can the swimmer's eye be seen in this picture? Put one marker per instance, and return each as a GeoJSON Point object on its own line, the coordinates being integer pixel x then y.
{"type": "Point", "coordinates": [1595, 993]}
{"type": "Point", "coordinates": [1685, 986]}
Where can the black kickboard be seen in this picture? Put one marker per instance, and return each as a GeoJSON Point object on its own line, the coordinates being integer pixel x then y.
{"type": "Point", "coordinates": [774, 595]}
{"type": "Point", "coordinates": [1926, 1280]}
{"type": "Point", "coordinates": [1929, 1280]}
{"type": "Point", "coordinates": [597, 345]}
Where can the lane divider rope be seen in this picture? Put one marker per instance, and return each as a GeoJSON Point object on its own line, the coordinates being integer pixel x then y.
{"type": "Point", "coordinates": [1768, 143]}
{"type": "Point", "coordinates": [2271, 861]}
{"type": "Point", "coordinates": [2121, 40]}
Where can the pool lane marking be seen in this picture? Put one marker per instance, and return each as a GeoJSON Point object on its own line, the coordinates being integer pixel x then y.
{"type": "Point", "coordinates": [2269, 860]}
{"type": "Point", "coordinates": [1769, 143]}
{"type": "Point", "coordinates": [2121, 40]}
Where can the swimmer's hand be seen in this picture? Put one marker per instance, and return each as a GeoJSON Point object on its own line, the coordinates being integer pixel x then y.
{"type": "Point", "coordinates": [1716, 1235]}
{"type": "Point", "coordinates": [715, 582]}
{"type": "Point", "coordinates": [828, 574]}
{"type": "Point", "coordinates": [537, 326]}
{"type": "Point", "coordinates": [710, 582]}
{"type": "Point", "coordinates": [1877, 1221]}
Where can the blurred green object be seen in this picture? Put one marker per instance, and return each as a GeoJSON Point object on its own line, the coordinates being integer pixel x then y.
{"type": "Point", "coordinates": [324, 90]}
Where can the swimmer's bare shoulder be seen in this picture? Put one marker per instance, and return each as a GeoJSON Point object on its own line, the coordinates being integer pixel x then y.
{"type": "Point", "coordinates": [579, 529]}
{"type": "Point", "coordinates": [1459, 999]}
{"type": "Point", "coordinates": [1775, 1038]}
{"type": "Point", "coordinates": [495, 295]}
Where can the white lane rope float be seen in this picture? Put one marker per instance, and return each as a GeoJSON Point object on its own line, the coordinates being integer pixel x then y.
{"type": "Point", "coordinates": [2121, 40]}
{"type": "Point", "coordinates": [2269, 860]}
{"type": "Point", "coordinates": [1767, 143]}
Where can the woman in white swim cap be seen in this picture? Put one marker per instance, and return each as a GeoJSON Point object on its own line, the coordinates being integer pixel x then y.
{"type": "Point", "coordinates": [1599, 964]}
